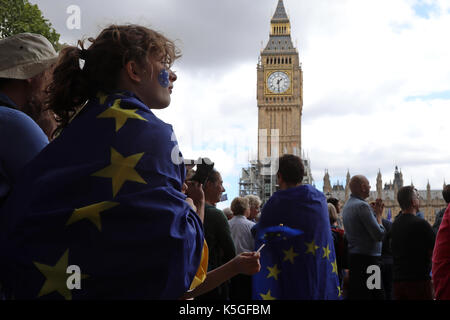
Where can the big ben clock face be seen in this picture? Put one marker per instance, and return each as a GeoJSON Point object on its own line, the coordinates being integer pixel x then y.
{"type": "Point", "coordinates": [278, 82]}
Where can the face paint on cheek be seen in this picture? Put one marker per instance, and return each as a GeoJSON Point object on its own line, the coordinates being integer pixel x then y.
{"type": "Point", "coordinates": [163, 78]}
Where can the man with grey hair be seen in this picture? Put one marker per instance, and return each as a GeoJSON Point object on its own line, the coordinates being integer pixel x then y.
{"type": "Point", "coordinates": [228, 213]}
{"type": "Point", "coordinates": [255, 207]}
{"type": "Point", "coordinates": [25, 63]}
{"type": "Point", "coordinates": [365, 231]}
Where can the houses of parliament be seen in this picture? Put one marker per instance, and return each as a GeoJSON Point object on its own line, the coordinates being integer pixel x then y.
{"type": "Point", "coordinates": [431, 201]}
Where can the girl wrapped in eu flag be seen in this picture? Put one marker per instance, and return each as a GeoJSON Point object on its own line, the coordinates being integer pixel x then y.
{"type": "Point", "coordinates": [104, 197]}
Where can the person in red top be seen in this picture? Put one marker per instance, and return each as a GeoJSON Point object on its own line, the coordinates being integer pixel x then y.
{"type": "Point", "coordinates": [441, 259]}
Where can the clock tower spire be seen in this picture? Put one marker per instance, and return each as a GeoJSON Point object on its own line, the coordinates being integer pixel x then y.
{"type": "Point", "coordinates": [279, 91]}
{"type": "Point", "coordinates": [280, 25]}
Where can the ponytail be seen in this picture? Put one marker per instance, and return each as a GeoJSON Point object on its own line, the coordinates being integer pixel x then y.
{"type": "Point", "coordinates": [69, 88]}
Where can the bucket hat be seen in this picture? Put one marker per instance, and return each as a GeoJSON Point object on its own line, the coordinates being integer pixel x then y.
{"type": "Point", "coordinates": [25, 55]}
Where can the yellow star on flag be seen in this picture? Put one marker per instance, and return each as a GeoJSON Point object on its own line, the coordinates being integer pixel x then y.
{"type": "Point", "coordinates": [326, 252]}
{"type": "Point", "coordinates": [335, 268]}
{"type": "Point", "coordinates": [273, 272]}
{"type": "Point", "coordinates": [290, 255]}
{"type": "Point", "coordinates": [56, 277]}
{"type": "Point", "coordinates": [121, 170]}
{"type": "Point", "coordinates": [101, 97]}
{"type": "Point", "coordinates": [267, 296]}
{"type": "Point", "coordinates": [311, 247]}
{"type": "Point", "coordinates": [92, 213]}
{"type": "Point", "coordinates": [121, 115]}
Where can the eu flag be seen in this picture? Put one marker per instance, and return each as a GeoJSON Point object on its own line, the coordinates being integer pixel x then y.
{"type": "Point", "coordinates": [104, 197]}
{"type": "Point", "coordinates": [298, 260]}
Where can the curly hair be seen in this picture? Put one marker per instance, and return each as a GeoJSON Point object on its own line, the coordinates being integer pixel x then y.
{"type": "Point", "coordinates": [239, 205]}
{"type": "Point", "coordinates": [253, 200]}
{"type": "Point", "coordinates": [115, 46]}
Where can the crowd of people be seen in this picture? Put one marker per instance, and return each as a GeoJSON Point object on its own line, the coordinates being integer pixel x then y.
{"type": "Point", "coordinates": [89, 176]}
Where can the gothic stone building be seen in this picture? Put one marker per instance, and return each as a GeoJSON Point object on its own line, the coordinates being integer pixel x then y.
{"type": "Point", "coordinates": [431, 201]}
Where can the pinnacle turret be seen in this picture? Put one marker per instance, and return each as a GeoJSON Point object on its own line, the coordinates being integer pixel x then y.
{"type": "Point", "coordinates": [280, 13]}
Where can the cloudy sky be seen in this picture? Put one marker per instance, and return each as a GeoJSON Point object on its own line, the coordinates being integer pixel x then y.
{"type": "Point", "coordinates": [376, 79]}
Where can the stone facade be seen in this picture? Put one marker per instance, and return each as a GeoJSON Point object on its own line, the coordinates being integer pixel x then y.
{"type": "Point", "coordinates": [431, 201]}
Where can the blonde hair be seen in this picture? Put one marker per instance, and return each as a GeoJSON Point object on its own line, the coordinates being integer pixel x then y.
{"type": "Point", "coordinates": [239, 205]}
{"type": "Point", "coordinates": [253, 200]}
{"type": "Point", "coordinates": [332, 212]}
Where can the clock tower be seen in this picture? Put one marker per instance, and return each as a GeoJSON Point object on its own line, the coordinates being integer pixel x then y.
{"type": "Point", "coordinates": [280, 102]}
{"type": "Point", "coordinates": [279, 90]}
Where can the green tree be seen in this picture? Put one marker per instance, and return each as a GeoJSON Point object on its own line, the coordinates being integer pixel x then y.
{"type": "Point", "coordinates": [17, 16]}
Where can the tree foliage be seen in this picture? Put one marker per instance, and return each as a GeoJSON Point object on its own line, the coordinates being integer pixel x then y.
{"type": "Point", "coordinates": [18, 16]}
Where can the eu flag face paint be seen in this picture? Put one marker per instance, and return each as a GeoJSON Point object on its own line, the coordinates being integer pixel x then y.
{"type": "Point", "coordinates": [163, 78]}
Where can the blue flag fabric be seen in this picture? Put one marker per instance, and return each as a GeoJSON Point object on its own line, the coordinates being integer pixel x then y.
{"type": "Point", "coordinates": [105, 196]}
{"type": "Point", "coordinates": [277, 233]}
{"type": "Point", "coordinates": [300, 266]}
{"type": "Point", "coordinates": [389, 214]}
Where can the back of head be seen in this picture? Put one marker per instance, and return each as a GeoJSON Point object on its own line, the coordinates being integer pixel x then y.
{"type": "Point", "coordinates": [291, 169]}
{"type": "Point", "coordinates": [332, 213]}
{"type": "Point", "coordinates": [356, 183]}
{"type": "Point", "coordinates": [333, 201]}
{"type": "Point", "coordinates": [114, 47]}
{"type": "Point", "coordinates": [446, 193]}
{"type": "Point", "coordinates": [405, 197]}
{"type": "Point", "coordinates": [228, 213]}
{"type": "Point", "coordinates": [239, 205]}
{"type": "Point", "coordinates": [253, 200]}
{"type": "Point", "coordinates": [25, 55]}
